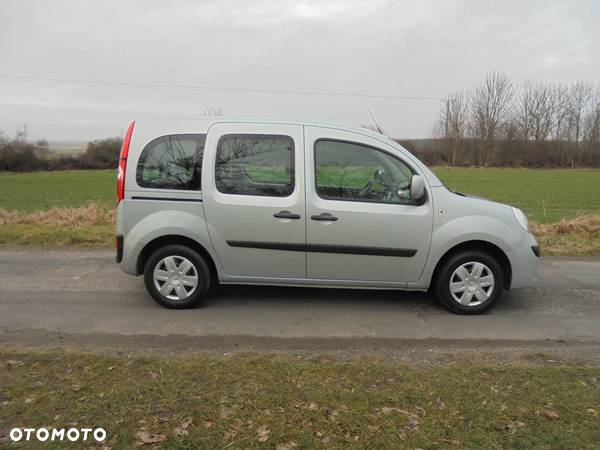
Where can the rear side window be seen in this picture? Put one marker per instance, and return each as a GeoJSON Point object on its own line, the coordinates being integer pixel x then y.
{"type": "Point", "coordinates": [172, 162]}
{"type": "Point", "coordinates": [250, 164]}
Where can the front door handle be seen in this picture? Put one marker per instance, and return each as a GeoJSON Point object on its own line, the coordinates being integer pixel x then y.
{"type": "Point", "coordinates": [286, 215]}
{"type": "Point", "coordinates": [324, 217]}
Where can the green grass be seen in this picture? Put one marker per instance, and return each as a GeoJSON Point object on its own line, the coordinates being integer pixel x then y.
{"type": "Point", "coordinates": [546, 196]}
{"type": "Point", "coordinates": [43, 190]}
{"type": "Point", "coordinates": [350, 177]}
{"type": "Point", "coordinates": [232, 401]}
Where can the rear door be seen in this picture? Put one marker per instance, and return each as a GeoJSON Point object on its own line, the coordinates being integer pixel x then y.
{"type": "Point", "coordinates": [253, 193]}
{"type": "Point", "coordinates": [362, 224]}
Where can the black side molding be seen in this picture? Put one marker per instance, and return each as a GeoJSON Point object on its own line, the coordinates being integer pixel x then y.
{"type": "Point", "coordinates": [536, 250]}
{"type": "Point", "coordinates": [168, 199]}
{"type": "Point", "coordinates": [268, 245]}
{"type": "Point", "coordinates": [359, 250]}
{"type": "Point", "coordinates": [325, 248]}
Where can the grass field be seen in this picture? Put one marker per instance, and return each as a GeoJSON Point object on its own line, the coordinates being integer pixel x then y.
{"type": "Point", "coordinates": [546, 196]}
{"type": "Point", "coordinates": [36, 191]}
{"type": "Point", "coordinates": [254, 401]}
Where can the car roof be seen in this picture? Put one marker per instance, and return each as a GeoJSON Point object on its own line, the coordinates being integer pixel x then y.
{"type": "Point", "coordinates": [202, 124]}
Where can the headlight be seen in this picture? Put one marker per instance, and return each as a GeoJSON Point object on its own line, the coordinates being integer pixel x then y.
{"type": "Point", "coordinates": [521, 218]}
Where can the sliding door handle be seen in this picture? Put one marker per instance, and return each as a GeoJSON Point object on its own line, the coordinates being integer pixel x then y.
{"type": "Point", "coordinates": [286, 215]}
{"type": "Point", "coordinates": [324, 217]}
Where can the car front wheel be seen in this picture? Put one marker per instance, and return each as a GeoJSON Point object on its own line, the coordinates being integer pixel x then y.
{"type": "Point", "coordinates": [176, 277]}
{"type": "Point", "coordinates": [470, 282]}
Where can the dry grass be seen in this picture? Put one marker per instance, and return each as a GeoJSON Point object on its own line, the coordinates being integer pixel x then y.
{"type": "Point", "coordinates": [93, 226]}
{"type": "Point", "coordinates": [85, 216]}
{"type": "Point", "coordinates": [569, 237]}
{"type": "Point", "coordinates": [85, 226]}
{"type": "Point", "coordinates": [587, 224]}
{"type": "Point", "coordinates": [281, 401]}
{"type": "Point", "coordinates": [94, 215]}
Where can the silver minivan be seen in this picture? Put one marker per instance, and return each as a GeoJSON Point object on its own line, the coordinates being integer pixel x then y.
{"type": "Point", "coordinates": [218, 201]}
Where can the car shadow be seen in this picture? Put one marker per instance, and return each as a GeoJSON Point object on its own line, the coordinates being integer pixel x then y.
{"type": "Point", "coordinates": [224, 296]}
{"type": "Point", "coordinates": [306, 296]}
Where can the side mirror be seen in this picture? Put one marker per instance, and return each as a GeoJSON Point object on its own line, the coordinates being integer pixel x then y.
{"type": "Point", "coordinates": [417, 187]}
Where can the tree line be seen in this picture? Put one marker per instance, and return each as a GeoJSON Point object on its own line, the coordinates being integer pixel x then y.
{"type": "Point", "coordinates": [496, 123]}
{"type": "Point", "coordinates": [21, 155]}
{"type": "Point", "coordinates": [534, 124]}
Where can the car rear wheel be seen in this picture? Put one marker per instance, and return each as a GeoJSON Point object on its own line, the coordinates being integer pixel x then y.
{"type": "Point", "coordinates": [176, 277]}
{"type": "Point", "coordinates": [470, 282]}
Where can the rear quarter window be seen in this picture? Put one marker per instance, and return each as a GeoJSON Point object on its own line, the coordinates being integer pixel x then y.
{"type": "Point", "coordinates": [172, 162]}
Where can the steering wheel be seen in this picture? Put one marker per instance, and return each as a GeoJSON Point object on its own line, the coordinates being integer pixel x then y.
{"type": "Point", "coordinates": [378, 177]}
{"type": "Point", "coordinates": [366, 190]}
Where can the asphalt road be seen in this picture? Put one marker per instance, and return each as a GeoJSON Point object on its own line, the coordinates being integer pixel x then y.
{"type": "Point", "coordinates": [47, 295]}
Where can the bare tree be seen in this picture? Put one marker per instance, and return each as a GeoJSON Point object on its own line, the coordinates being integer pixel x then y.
{"type": "Point", "coordinates": [538, 124]}
{"type": "Point", "coordinates": [580, 94]}
{"type": "Point", "coordinates": [22, 134]}
{"type": "Point", "coordinates": [560, 111]}
{"type": "Point", "coordinates": [490, 107]}
{"type": "Point", "coordinates": [534, 115]}
{"type": "Point", "coordinates": [452, 124]}
{"type": "Point", "coordinates": [592, 122]}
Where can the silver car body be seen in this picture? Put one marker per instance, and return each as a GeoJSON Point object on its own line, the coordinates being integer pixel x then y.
{"type": "Point", "coordinates": [211, 218]}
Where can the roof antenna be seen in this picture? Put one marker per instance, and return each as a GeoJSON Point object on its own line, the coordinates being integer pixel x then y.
{"type": "Point", "coordinates": [375, 122]}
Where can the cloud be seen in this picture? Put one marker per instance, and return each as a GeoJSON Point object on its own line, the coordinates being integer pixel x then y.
{"type": "Point", "coordinates": [417, 48]}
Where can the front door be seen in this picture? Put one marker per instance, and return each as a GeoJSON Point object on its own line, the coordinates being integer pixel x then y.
{"type": "Point", "coordinates": [361, 223]}
{"type": "Point", "coordinates": [253, 194]}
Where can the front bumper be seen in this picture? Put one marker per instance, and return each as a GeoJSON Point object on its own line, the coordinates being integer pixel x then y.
{"type": "Point", "coordinates": [524, 262]}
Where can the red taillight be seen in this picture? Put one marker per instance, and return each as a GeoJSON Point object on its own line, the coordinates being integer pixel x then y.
{"type": "Point", "coordinates": [123, 163]}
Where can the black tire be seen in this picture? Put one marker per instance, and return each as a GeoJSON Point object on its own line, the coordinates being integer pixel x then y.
{"type": "Point", "coordinates": [199, 265]}
{"type": "Point", "coordinates": [442, 281]}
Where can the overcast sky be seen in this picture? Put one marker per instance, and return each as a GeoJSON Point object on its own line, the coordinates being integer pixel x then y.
{"type": "Point", "coordinates": [415, 48]}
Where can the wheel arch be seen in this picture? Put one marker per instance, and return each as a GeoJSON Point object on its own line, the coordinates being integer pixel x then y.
{"type": "Point", "coordinates": [175, 239]}
{"type": "Point", "coordinates": [484, 246]}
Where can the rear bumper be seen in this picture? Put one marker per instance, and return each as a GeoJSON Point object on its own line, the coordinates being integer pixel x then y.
{"type": "Point", "coordinates": [119, 245]}
{"type": "Point", "coordinates": [132, 247]}
{"type": "Point", "coordinates": [524, 261]}
{"type": "Point", "coordinates": [128, 246]}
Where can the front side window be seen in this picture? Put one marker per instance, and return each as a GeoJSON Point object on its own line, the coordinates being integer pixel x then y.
{"type": "Point", "coordinates": [349, 171]}
{"type": "Point", "coordinates": [172, 162]}
{"type": "Point", "coordinates": [255, 165]}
